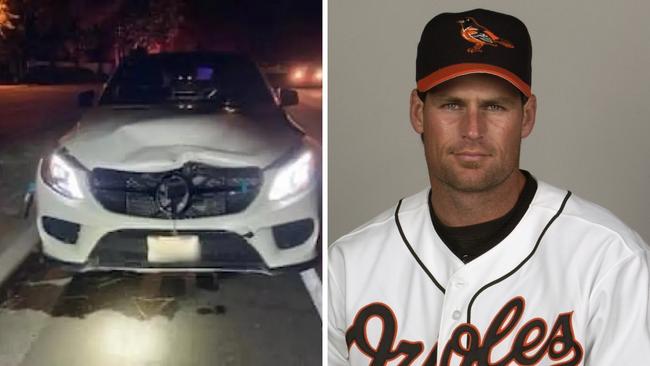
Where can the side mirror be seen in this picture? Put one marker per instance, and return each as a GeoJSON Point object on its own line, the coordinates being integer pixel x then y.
{"type": "Point", "coordinates": [86, 98]}
{"type": "Point", "coordinates": [288, 97]}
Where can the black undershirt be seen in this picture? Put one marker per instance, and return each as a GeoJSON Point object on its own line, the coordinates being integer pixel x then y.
{"type": "Point", "coordinates": [469, 242]}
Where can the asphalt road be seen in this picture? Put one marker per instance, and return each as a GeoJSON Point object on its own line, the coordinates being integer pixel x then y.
{"type": "Point", "coordinates": [27, 110]}
{"type": "Point", "coordinates": [308, 112]}
{"type": "Point", "coordinates": [50, 317]}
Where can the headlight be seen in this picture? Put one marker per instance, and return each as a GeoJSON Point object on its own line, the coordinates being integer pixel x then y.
{"type": "Point", "coordinates": [293, 177]}
{"type": "Point", "coordinates": [61, 173]}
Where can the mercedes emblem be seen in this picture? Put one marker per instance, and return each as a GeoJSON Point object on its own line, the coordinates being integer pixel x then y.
{"type": "Point", "coordinates": [173, 195]}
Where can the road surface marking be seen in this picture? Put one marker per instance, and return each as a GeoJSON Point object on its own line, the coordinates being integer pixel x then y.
{"type": "Point", "coordinates": [19, 242]}
{"type": "Point", "coordinates": [314, 287]}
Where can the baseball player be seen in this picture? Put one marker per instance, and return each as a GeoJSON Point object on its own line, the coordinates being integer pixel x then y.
{"type": "Point", "coordinates": [488, 266]}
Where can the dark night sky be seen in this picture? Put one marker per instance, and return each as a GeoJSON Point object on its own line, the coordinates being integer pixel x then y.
{"type": "Point", "coordinates": [290, 28]}
{"type": "Point", "coordinates": [271, 30]}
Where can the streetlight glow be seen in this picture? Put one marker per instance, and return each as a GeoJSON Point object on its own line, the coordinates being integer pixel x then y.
{"type": "Point", "coordinates": [6, 17]}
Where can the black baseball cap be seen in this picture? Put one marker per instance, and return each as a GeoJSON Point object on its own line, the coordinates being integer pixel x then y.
{"type": "Point", "coordinates": [475, 41]}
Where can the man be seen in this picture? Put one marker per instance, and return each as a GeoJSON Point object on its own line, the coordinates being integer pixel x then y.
{"type": "Point", "coordinates": [489, 266]}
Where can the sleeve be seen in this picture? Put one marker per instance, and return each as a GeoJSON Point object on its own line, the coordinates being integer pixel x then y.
{"type": "Point", "coordinates": [337, 347]}
{"type": "Point", "coordinates": [619, 314]}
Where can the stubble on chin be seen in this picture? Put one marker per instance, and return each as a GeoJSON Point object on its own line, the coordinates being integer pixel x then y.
{"type": "Point", "coordinates": [471, 177]}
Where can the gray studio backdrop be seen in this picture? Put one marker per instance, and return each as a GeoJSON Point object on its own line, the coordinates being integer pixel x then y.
{"type": "Point", "coordinates": [591, 75]}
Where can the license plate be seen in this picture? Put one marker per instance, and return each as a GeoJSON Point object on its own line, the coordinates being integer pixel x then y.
{"type": "Point", "coordinates": [170, 249]}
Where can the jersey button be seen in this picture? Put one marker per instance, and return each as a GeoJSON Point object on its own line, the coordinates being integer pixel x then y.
{"type": "Point", "coordinates": [456, 315]}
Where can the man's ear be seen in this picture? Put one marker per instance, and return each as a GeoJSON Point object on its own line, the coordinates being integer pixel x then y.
{"type": "Point", "coordinates": [417, 112]}
{"type": "Point", "coordinates": [530, 112]}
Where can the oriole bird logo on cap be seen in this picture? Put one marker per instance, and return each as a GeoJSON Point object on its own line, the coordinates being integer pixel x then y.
{"type": "Point", "coordinates": [480, 36]}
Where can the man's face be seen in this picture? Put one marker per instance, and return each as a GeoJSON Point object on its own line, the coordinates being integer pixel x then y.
{"type": "Point", "coordinates": [472, 128]}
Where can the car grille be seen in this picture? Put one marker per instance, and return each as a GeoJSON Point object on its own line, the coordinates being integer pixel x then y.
{"type": "Point", "coordinates": [208, 191]}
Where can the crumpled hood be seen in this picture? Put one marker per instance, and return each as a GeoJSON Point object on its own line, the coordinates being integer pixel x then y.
{"type": "Point", "coordinates": [159, 138]}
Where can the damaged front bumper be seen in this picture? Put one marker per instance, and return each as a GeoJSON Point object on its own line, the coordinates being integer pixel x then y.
{"type": "Point", "coordinates": [266, 236]}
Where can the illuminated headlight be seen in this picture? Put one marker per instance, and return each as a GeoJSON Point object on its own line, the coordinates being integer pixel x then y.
{"type": "Point", "coordinates": [293, 177]}
{"type": "Point", "coordinates": [61, 173]}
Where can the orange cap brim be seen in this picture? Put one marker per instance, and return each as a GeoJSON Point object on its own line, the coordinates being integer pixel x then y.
{"type": "Point", "coordinates": [447, 73]}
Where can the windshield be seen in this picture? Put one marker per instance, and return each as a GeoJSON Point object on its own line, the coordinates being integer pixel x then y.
{"type": "Point", "coordinates": [195, 79]}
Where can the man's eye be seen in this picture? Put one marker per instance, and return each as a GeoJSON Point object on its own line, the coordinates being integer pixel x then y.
{"type": "Point", "coordinates": [451, 106]}
{"type": "Point", "coordinates": [495, 107]}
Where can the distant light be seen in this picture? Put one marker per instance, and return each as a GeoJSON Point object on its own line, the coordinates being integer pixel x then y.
{"type": "Point", "coordinates": [6, 17]}
{"type": "Point", "coordinates": [298, 74]}
{"type": "Point", "coordinates": [153, 48]}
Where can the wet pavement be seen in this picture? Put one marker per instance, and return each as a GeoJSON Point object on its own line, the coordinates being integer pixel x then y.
{"type": "Point", "coordinates": [50, 317]}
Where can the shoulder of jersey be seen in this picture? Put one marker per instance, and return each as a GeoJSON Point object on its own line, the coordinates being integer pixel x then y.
{"type": "Point", "coordinates": [383, 225]}
{"type": "Point", "coordinates": [584, 215]}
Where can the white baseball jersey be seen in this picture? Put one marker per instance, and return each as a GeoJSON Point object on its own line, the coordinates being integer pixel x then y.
{"type": "Point", "coordinates": [570, 285]}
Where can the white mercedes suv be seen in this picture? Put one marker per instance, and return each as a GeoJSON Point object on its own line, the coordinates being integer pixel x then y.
{"type": "Point", "coordinates": [188, 162]}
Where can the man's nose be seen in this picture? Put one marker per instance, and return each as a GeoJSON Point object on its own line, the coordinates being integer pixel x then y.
{"type": "Point", "coordinates": [472, 126]}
